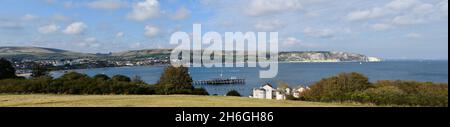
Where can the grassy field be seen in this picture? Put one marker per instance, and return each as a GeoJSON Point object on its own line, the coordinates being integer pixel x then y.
{"type": "Point", "coordinates": [149, 101]}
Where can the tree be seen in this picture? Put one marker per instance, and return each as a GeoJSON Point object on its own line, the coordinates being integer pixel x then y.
{"type": "Point", "coordinates": [174, 79]}
{"type": "Point", "coordinates": [121, 78]}
{"type": "Point", "coordinates": [137, 79]}
{"type": "Point", "coordinates": [101, 77]}
{"type": "Point", "coordinates": [338, 88]}
{"type": "Point", "coordinates": [73, 76]}
{"type": "Point", "coordinates": [233, 93]}
{"type": "Point", "coordinates": [7, 71]}
{"type": "Point", "coordinates": [200, 91]}
{"type": "Point", "coordinates": [39, 71]}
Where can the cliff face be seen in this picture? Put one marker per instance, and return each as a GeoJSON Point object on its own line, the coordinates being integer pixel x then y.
{"type": "Point", "coordinates": [325, 57]}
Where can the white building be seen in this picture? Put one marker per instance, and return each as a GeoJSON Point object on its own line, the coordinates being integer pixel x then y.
{"type": "Point", "coordinates": [264, 92]}
{"type": "Point", "coordinates": [297, 92]}
{"type": "Point", "coordinates": [268, 92]}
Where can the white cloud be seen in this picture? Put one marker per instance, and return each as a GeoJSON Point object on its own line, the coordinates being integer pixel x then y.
{"type": "Point", "coordinates": [319, 33]}
{"type": "Point", "coordinates": [423, 9]}
{"type": "Point", "coordinates": [269, 25]}
{"type": "Point", "coordinates": [48, 29]}
{"type": "Point", "coordinates": [181, 13]}
{"type": "Point", "coordinates": [291, 41]}
{"type": "Point", "coordinates": [120, 34]}
{"type": "Point", "coordinates": [444, 7]}
{"type": "Point", "coordinates": [413, 35]}
{"type": "Point", "coordinates": [9, 24]}
{"type": "Point", "coordinates": [151, 31]}
{"type": "Point", "coordinates": [29, 17]}
{"type": "Point", "coordinates": [75, 28]}
{"type": "Point", "coordinates": [59, 17]}
{"type": "Point", "coordinates": [145, 10]}
{"type": "Point", "coordinates": [366, 14]}
{"type": "Point", "coordinates": [90, 42]}
{"type": "Point", "coordinates": [107, 4]}
{"type": "Point", "coordinates": [402, 4]}
{"type": "Point", "coordinates": [265, 7]}
{"type": "Point", "coordinates": [135, 45]}
{"type": "Point", "coordinates": [407, 20]}
{"type": "Point", "coordinates": [381, 26]}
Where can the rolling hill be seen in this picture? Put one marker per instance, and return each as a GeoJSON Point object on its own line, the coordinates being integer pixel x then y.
{"type": "Point", "coordinates": [38, 53]}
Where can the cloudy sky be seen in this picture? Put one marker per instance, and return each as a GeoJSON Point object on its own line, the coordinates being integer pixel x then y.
{"type": "Point", "coordinates": [393, 29]}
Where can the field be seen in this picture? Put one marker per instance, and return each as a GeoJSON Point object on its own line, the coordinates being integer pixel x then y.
{"type": "Point", "coordinates": [149, 101]}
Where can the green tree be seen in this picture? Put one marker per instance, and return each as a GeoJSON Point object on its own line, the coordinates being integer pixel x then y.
{"type": "Point", "coordinates": [233, 93]}
{"type": "Point", "coordinates": [200, 91]}
{"type": "Point", "coordinates": [73, 76]}
{"type": "Point", "coordinates": [7, 71]}
{"type": "Point", "coordinates": [338, 88]}
{"type": "Point", "coordinates": [121, 78]}
{"type": "Point", "coordinates": [175, 79]}
{"type": "Point", "coordinates": [101, 77]}
{"type": "Point", "coordinates": [137, 79]}
{"type": "Point", "coordinates": [39, 71]}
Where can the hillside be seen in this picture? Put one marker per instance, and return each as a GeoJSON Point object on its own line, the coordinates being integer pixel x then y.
{"type": "Point", "coordinates": [36, 53]}
{"type": "Point", "coordinates": [150, 101]}
{"type": "Point", "coordinates": [143, 53]}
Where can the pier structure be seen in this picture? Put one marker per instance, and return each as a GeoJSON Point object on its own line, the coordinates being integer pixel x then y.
{"type": "Point", "coordinates": [220, 81]}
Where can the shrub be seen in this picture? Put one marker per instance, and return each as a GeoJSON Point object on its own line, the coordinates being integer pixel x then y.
{"type": "Point", "coordinates": [121, 78]}
{"type": "Point", "coordinates": [337, 88]}
{"type": "Point", "coordinates": [175, 80]}
{"type": "Point", "coordinates": [233, 93]}
{"type": "Point", "coordinates": [200, 91]}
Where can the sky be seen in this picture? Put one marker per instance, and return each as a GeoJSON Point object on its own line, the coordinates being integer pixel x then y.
{"type": "Point", "coordinates": [390, 29]}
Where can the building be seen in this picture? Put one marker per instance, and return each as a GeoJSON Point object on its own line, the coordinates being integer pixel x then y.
{"type": "Point", "coordinates": [264, 92]}
{"type": "Point", "coordinates": [297, 93]}
{"type": "Point", "coordinates": [267, 91]}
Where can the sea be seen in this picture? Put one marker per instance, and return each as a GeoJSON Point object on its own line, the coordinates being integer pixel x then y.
{"type": "Point", "coordinates": [294, 74]}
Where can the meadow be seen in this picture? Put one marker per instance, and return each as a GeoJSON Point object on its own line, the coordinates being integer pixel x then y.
{"type": "Point", "coordinates": [49, 100]}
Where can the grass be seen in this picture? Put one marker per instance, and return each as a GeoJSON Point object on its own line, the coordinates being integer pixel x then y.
{"type": "Point", "coordinates": [150, 101]}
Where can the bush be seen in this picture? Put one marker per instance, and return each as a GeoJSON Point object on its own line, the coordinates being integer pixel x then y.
{"type": "Point", "coordinates": [338, 88]}
{"type": "Point", "coordinates": [355, 87]}
{"type": "Point", "coordinates": [233, 93]}
{"type": "Point", "coordinates": [121, 78]}
{"type": "Point", "coordinates": [7, 71]}
{"type": "Point", "coordinates": [101, 77]}
{"type": "Point", "coordinates": [387, 95]}
{"type": "Point", "coordinates": [74, 83]}
{"type": "Point", "coordinates": [175, 80]}
{"type": "Point", "coordinates": [200, 91]}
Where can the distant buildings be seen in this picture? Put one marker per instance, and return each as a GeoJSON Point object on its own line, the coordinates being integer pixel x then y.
{"type": "Point", "coordinates": [267, 91]}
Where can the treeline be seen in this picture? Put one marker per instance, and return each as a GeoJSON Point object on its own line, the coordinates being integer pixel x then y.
{"type": "Point", "coordinates": [355, 87]}
{"type": "Point", "coordinates": [75, 83]}
{"type": "Point", "coordinates": [174, 80]}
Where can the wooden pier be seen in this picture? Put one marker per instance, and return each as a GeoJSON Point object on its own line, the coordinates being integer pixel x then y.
{"type": "Point", "coordinates": [220, 82]}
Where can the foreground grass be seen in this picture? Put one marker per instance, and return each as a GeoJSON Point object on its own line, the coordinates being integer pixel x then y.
{"type": "Point", "coordinates": [149, 101]}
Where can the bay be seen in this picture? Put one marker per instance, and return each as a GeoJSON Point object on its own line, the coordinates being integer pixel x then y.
{"type": "Point", "coordinates": [294, 74]}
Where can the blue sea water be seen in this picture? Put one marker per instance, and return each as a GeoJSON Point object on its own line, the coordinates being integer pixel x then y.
{"type": "Point", "coordinates": [294, 74]}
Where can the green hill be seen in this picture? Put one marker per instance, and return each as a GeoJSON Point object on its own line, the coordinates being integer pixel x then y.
{"type": "Point", "coordinates": [37, 53]}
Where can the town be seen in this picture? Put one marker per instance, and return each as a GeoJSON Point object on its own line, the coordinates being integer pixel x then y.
{"type": "Point", "coordinates": [25, 66]}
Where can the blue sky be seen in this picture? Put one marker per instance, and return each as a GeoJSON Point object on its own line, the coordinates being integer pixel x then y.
{"type": "Point", "coordinates": [392, 29]}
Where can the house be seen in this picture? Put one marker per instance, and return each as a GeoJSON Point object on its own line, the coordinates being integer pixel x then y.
{"type": "Point", "coordinates": [264, 92]}
{"type": "Point", "coordinates": [268, 92]}
{"type": "Point", "coordinates": [297, 93]}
